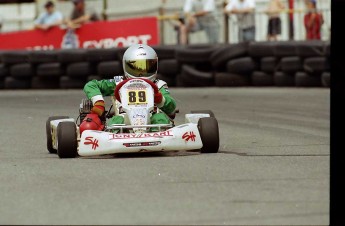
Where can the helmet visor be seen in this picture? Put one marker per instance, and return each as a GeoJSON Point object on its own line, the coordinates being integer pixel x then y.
{"type": "Point", "coordinates": [141, 68]}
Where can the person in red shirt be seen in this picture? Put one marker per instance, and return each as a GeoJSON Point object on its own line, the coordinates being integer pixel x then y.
{"type": "Point", "coordinates": [313, 21]}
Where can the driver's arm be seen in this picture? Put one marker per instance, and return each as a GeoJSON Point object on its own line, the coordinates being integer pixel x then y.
{"type": "Point", "coordinates": [168, 104]}
{"type": "Point", "coordinates": [97, 89]}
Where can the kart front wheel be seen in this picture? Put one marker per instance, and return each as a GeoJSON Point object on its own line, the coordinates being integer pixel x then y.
{"type": "Point", "coordinates": [209, 133]}
{"type": "Point", "coordinates": [49, 133]}
{"type": "Point", "coordinates": [67, 140]}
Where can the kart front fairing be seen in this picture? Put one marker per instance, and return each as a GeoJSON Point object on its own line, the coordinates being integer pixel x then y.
{"type": "Point", "coordinates": [182, 137]}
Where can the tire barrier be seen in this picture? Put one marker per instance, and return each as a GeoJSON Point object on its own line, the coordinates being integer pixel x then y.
{"type": "Point", "coordinates": [282, 64]}
{"type": "Point", "coordinates": [283, 79]}
{"type": "Point", "coordinates": [225, 79]}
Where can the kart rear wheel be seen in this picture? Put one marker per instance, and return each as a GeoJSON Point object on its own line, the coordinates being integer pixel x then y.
{"type": "Point", "coordinates": [49, 133]}
{"type": "Point", "coordinates": [209, 133]}
{"type": "Point", "coordinates": [204, 112]}
{"type": "Point", "coordinates": [67, 140]}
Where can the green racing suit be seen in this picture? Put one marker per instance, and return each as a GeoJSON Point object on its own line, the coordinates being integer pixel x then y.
{"type": "Point", "coordinates": [97, 89]}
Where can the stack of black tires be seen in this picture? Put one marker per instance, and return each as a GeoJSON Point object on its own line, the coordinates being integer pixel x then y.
{"type": "Point", "coordinates": [287, 63]}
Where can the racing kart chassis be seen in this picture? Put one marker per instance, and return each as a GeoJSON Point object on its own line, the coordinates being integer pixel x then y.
{"type": "Point", "coordinates": [199, 132]}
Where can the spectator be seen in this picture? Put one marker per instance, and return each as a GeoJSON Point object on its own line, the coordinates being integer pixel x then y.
{"type": "Point", "coordinates": [274, 23]}
{"type": "Point", "coordinates": [244, 9]}
{"type": "Point", "coordinates": [199, 15]}
{"type": "Point", "coordinates": [81, 14]}
{"type": "Point", "coordinates": [49, 18]}
{"type": "Point", "coordinates": [313, 21]}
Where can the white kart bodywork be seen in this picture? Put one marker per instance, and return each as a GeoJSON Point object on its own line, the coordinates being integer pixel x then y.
{"type": "Point", "coordinates": [182, 137]}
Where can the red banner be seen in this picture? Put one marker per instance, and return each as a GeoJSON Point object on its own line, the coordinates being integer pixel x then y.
{"type": "Point", "coordinates": [102, 34]}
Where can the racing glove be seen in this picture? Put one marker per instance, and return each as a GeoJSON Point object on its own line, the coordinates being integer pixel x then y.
{"type": "Point", "coordinates": [98, 108]}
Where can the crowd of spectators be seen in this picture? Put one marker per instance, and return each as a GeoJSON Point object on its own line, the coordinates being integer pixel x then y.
{"type": "Point", "coordinates": [196, 15]}
{"type": "Point", "coordinates": [202, 15]}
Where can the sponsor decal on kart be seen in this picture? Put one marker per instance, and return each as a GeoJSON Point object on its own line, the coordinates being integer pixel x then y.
{"type": "Point", "coordinates": [189, 136]}
{"type": "Point", "coordinates": [91, 141]}
{"type": "Point", "coordinates": [114, 136]}
{"type": "Point", "coordinates": [141, 144]}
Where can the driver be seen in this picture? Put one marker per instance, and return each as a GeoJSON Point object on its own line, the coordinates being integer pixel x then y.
{"type": "Point", "coordinates": [139, 61]}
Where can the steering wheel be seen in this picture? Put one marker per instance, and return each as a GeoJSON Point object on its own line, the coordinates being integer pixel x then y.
{"type": "Point", "coordinates": [119, 86]}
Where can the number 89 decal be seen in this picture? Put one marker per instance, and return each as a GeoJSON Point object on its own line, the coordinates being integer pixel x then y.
{"type": "Point", "coordinates": [137, 97]}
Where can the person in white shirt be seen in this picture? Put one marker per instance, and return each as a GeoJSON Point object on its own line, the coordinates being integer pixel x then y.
{"type": "Point", "coordinates": [49, 18]}
{"type": "Point", "coordinates": [199, 15]}
{"type": "Point", "coordinates": [244, 10]}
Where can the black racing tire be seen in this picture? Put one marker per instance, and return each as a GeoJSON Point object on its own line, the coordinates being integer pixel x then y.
{"type": "Point", "coordinates": [326, 79]}
{"type": "Point", "coordinates": [109, 69]}
{"type": "Point", "coordinates": [100, 55]}
{"type": "Point", "coordinates": [165, 51]}
{"type": "Point", "coordinates": [120, 52]}
{"type": "Point", "coordinates": [221, 56]}
{"type": "Point", "coordinates": [269, 64]}
{"type": "Point", "coordinates": [199, 46]}
{"type": "Point", "coordinates": [15, 57]}
{"type": "Point", "coordinates": [67, 56]}
{"type": "Point", "coordinates": [310, 48]}
{"type": "Point", "coordinates": [171, 81]}
{"type": "Point", "coordinates": [204, 67]}
{"type": "Point", "coordinates": [203, 112]}
{"type": "Point", "coordinates": [191, 55]}
{"type": "Point", "coordinates": [316, 65]}
{"type": "Point", "coordinates": [43, 56]}
{"type": "Point", "coordinates": [49, 134]}
{"type": "Point", "coordinates": [15, 83]}
{"type": "Point", "coordinates": [44, 83]}
{"type": "Point", "coordinates": [291, 64]}
{"type": "Point", "coordinates": [2, 83]}
{"type": "Point", "coordinates": [224, 79]}
{"type": "Point", "coordinates": [180, 82]}
{"type": "Point", "coordinates": [303, 79]}
{"type": "Point", "coordinates": [50, 70]}
{"type": "Point", "coordinates": [260, 78]}
{"type": "Point", "coordinates": [286, 49]}
{"type": "Point", "coordinates": [79, 70]}
{"type": "Point", "coordinates": [196, 78]}
{"type": "Point", "coordinates": [67, 140]}
{"type": "Point", "coordinates": [209, 133]}
{"type": "Point", "coordinates": [24, 70]}
{"type": "Point", "coordinates": [242, 66]}
{"type": "Point", "coordinates": [169, 67]}
{"type": "Point", "coordinates": [328, 49]}
{"type": "Point", "coordinates": [72, 83]}
{"type": "Point", "coordinates": [283, 79]}
{"type": "Point", "coordinates": [261, 49]}
{"type": "Point", "coordinates": [4, 72]}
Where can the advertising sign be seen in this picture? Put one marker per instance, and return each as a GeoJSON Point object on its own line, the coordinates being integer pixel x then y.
{"type": "Point", "coordinates": [101, 34]}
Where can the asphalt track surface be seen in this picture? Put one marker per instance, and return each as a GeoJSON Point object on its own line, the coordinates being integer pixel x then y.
{"type": "Point", "coordinates": [272, 166]}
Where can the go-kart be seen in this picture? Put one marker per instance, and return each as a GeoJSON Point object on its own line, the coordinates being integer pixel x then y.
{"type": "Point", "coordinates": [137, 134]}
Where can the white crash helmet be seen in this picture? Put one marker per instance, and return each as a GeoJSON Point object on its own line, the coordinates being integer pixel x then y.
{"type": "Point", "coordinates": [140, 61]}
